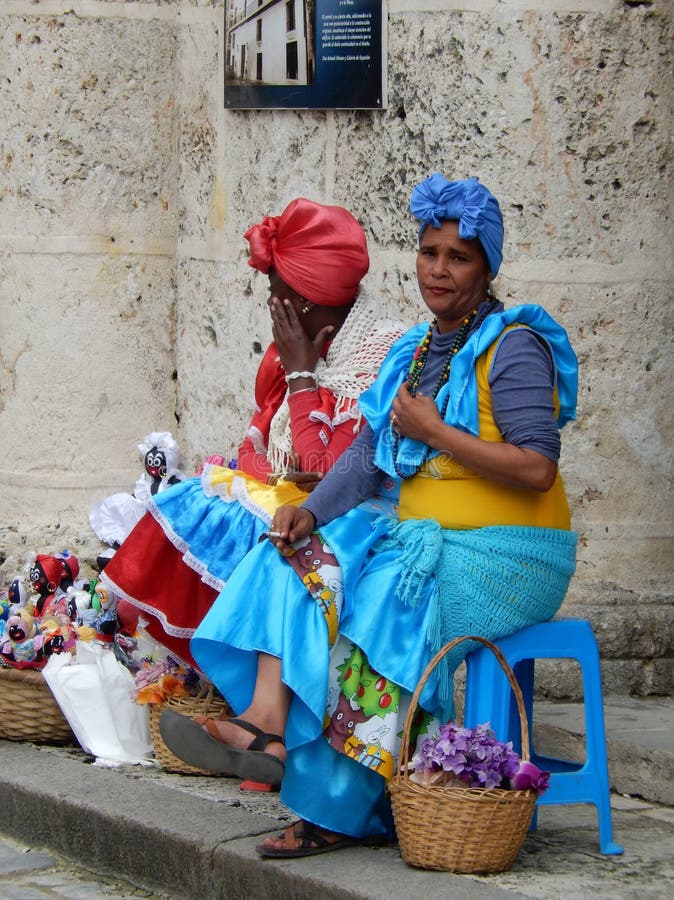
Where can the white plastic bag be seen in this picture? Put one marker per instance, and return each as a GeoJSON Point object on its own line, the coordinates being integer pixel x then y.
{"type": "Point", "coordinates": [93, 692]}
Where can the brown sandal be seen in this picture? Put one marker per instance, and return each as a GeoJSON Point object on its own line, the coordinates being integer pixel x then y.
{"type": "Point", "coordinates": [310, 841]}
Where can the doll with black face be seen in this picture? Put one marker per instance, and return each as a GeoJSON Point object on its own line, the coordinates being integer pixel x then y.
{"type": "Point", "coordinates": [54, 643]}
{"type": "Point", "coordinates": [156, 468]}
{"type": "Point", "coordinates": [17, 593]}
{"type": "Point", "coordinates": [51, 573]}
{"type": "Point", "coordinates": [21, 643]}
{"type": "Point", "coordinates": [44, 576]}
{"type": "Point", "coordinates": [70, 569]}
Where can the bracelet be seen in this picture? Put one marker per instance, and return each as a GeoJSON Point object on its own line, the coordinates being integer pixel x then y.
{"type": "Point", "coordinates": [291, 376]}
{"type": "Point", "coordinates": [303, 391]}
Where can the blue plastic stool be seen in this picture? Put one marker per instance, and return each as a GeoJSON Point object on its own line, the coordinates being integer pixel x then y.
{"type": "Point", "coordinates": [489, 698]}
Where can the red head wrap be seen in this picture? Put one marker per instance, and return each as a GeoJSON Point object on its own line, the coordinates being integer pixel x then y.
{"type": "Point", "coordinates": [319, 251]}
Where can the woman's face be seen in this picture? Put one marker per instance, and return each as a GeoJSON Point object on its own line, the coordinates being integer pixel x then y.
{"type": "Point", "coordinates": [278, 288]}
{"type": "Point", "coordinates": [453, 274]}
{"type": "Point", "coordinates": [313, 317]}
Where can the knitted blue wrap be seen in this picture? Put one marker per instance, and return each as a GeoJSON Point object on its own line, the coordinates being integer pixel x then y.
{"type": "Point", "coordinates": [462, 404]}
{"type": "Point", "coordinates": [489, 581]}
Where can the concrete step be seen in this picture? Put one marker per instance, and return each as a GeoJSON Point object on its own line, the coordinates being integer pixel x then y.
{"type": "Point", "coordinates": [639, 735]}
{"type": "Point", "coordinates": [190, 836]}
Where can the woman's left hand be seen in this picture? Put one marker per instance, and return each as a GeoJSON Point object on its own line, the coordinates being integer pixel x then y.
{"type": "Point", "coordinates": [414, 417]}
{"type": "Point", "coordinates": [307, 481]}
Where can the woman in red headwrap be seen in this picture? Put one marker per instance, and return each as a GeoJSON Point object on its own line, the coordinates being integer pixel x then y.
{"type": "Point", "coordinates": [327, 348]}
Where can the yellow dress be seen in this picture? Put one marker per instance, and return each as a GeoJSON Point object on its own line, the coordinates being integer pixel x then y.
{"type": "Point", "coordinates": [459, 498]}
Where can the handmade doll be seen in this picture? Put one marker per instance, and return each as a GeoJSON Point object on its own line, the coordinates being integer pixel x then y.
{"type": "Point", "coordinates": [57, 638]}
{"type": "Point", "coordinates": [18, 595]}
{"type": "Point", "coordinates": [21, 642]}
{"type": "Point", "coordinates": [50, 575]}
{"type": "Point", "coordinates": [160, 461]}
{"type": "Point", "coordinates": [81, 608]}
{"type": "Point", "coordinates": [105, 623]}
{"type": "Point", "coordinates": [114, 517]}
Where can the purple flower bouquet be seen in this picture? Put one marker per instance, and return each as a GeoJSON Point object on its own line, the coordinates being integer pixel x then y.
{"type": "Point", "coordinates": [473, 757]}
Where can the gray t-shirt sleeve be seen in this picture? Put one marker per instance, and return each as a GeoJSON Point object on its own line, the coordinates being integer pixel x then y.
{"type": "Point", "coordinates": [522, 381]}
{"type": "Point", "coordinates": [353, 478]}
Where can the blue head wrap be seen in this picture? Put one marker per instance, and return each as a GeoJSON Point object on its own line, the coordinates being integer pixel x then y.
{"type": "Point", "coordinates": [474, 207]}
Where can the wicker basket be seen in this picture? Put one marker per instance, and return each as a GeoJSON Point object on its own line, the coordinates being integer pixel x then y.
{"type": "Point", "coordinates": [466, 830]}
{"type": "Point", "coordinates": [206, 704]}
{"type": "Point", "coordinates": [28, 710]}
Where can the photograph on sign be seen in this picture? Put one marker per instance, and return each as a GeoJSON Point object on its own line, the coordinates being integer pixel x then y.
{"type": "Point", "coordinates": [305, 54]}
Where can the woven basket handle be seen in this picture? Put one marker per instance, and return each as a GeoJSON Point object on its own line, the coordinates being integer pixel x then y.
{"type": "Point", "coordinates": [205, 692]}
{"type": "Point", "coordinates": [403, 757]}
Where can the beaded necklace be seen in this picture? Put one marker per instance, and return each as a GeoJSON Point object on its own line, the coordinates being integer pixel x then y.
{"type": "Point", "coordinates": [417, 366]}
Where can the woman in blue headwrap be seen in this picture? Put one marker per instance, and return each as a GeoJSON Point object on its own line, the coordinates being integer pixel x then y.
{"type": "Point", "coordinates": [447, 516]}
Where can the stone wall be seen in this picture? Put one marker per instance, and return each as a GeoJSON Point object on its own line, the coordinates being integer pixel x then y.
{"type": "Point", "coordinates": [127, 306]}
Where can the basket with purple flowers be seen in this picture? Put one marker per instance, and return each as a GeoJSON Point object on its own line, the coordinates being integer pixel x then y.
{"type": "Point", "coordinates": [464, 801]}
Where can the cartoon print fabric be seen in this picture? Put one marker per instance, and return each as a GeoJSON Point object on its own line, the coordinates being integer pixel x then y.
{"type": "Point", "coordinates": [365, 711]}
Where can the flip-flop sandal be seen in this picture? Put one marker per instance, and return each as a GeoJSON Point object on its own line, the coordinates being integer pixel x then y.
{"type": "Point", "coordinates": [311, 842]}
{"type": "Point", "coordinates": [205, 749]}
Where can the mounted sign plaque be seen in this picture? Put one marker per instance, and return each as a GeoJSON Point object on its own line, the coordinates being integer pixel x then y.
{"type": "Point", "coordinates": [305, 54]}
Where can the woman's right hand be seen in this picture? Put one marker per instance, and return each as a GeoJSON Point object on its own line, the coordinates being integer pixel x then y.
{"type": "Point", "coordinates": [289, 525]}
{"type": "Point", "coordinates": [297, 351]}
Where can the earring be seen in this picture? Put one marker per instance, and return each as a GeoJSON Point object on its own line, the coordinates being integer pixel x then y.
{"type": "Point", "coordinates": [307, 306]}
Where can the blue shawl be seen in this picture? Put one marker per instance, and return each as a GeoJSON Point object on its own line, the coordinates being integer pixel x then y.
{"type": "Point", "coordinates": [462, 409]}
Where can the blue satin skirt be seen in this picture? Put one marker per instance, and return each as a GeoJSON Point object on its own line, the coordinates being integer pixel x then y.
{"type": "Point", "coordinates": [265, 608]}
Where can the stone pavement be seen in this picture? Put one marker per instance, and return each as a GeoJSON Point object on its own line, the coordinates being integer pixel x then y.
{"type": "Point", "coordinates": [181, 837]}
{"type": "Point", "coordinates": [29, 874]}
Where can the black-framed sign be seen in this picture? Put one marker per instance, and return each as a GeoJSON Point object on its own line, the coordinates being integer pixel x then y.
{"type": "Point", "coordinates": [305, 54]}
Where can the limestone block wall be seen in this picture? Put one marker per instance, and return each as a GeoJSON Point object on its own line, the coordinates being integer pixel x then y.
{"type": "Point", "coordinates": [127, 305]}
{"type": "Point", "coordinates": [87, 258]}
